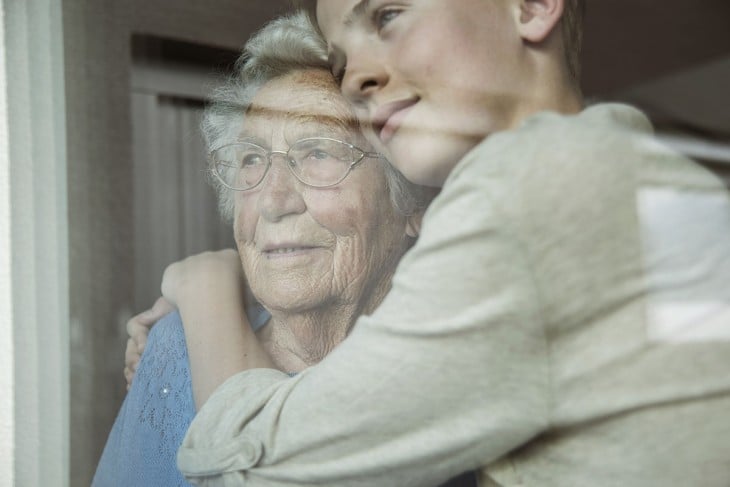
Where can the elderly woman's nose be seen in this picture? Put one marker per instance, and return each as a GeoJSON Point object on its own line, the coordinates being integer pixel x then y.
{"type": "Point", "coordinates": [281, 191]}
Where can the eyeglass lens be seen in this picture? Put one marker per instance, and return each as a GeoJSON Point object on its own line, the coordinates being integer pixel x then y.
{"type": "Point", "coordinates": [316, 162]}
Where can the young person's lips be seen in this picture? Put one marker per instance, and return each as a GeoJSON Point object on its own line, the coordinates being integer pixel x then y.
{"type": "Point", "coordinates": [388, 117]}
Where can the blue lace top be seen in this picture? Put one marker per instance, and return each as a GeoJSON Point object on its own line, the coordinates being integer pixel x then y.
{"type": "Point", "coordinates": [142, 447]}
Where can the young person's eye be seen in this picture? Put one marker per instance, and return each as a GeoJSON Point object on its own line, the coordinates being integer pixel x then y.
{"type": "Point", "coordinates": [384, 16]}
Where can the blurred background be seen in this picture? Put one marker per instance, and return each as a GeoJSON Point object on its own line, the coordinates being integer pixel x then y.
{"type": "Point", "coordinates": [131, 81]}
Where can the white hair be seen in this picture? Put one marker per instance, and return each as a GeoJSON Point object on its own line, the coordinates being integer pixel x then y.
{"type": "Point", "coordinates": [285, 45]}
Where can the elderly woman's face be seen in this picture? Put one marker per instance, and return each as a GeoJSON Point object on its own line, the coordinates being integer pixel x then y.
{"type": "Point", "coordinates": [304, 247]}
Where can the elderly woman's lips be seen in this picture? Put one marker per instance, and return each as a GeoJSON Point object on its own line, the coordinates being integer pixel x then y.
{"type": "Point", "coordinates": [288, 251]}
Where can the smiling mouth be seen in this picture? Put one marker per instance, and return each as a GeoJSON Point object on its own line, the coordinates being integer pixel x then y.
{"type": "Point", "coordinates": [388, 118]}
{"type": "Point", "coordinates": [287, 251]}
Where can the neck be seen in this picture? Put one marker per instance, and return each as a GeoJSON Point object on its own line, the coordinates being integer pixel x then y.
{"type": "Point", "coordinates": [295, 341]}
{"type": "Point", "coordinates": [551, 94]}
{"type": "Point", "coordinates": [547, 84]}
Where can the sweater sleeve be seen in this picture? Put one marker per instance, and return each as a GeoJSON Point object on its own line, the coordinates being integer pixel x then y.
{"type": "Point", "coordinates": [450, 372]}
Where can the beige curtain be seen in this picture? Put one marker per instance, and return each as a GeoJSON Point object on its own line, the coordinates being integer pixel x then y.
{"type": "Point", "coordinates": [175, 209]}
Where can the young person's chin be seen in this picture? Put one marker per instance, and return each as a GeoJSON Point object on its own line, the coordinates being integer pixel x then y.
{"type": "Point", "coordinates": [427, 159]}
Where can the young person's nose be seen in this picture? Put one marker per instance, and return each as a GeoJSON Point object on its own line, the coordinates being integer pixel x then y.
{"type": "Point", "coordinates": [280, 193]}
{"type": "Point", "coordinates": [364, 76]}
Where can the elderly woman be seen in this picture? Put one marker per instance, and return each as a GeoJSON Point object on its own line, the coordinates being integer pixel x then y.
{"type": "Point", "coordinates": [320, 222]}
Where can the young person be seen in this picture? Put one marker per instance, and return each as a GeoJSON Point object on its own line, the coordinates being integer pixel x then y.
{"type": "Point", "coordinates": [564, 317]}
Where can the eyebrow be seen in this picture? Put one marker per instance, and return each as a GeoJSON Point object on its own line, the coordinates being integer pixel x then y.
{"type": "Point", "coordinates": [357, 11]}
{"type": "Point", "coordinates": [324, 125]}
{"type": "Point", "coordinates": [251, 139]}
{"type": "Point", "coordinates": [307, 124]}
{"type": "Point", "coordinates": [303, 116]}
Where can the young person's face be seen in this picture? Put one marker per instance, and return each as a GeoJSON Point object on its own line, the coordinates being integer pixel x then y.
{"type": "Point", "coordinates": [434, 76]}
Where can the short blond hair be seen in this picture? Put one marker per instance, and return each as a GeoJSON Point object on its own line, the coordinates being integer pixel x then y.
{"type": "Point", "coordinates": [571, 30]}
{"type": "Point", "coordinates": [571, 26]}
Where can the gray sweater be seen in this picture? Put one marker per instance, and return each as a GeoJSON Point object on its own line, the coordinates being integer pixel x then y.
{"type": "Point", "coordinates": [564, 320]}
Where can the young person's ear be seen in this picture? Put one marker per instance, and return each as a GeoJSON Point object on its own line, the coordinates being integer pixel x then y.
{"type": "Point", "coordinates": [538, 18]}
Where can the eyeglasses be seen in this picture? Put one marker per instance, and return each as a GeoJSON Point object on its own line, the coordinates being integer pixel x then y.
{"type": "Point", "coordinates": [319, 162]}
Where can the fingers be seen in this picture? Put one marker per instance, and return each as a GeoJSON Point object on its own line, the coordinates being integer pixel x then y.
{"type": "Point", "coordinates": [128, 375]}
{"type": "Point", "coordinates": [131, 359]}
{"type": "Point", "coordinates": [138, 327]}
{"type": "Point", "coordinates": [161, 307]}
{"type": "Point", "coordinates": [137, 331]}
{"type": "Point", "coordinates": [131, 355]}
{"type": "Point", "coordinates": [149, 317]}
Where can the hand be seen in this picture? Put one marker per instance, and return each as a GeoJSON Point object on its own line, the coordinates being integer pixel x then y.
{"type": "Point", "coordinates": [217, 275]}
{"type": "Point", "coordinates": [138, 327]}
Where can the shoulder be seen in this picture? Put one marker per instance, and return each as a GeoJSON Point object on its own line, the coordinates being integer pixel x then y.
{"type": "Point", "coordinates": [604, 146]}
{"type": "Point", "coordinates": [611, 118]}
{"type": "Point", "coordinates": [598, 132]}
{"type": "Point", "coordinates": [559, 168]}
